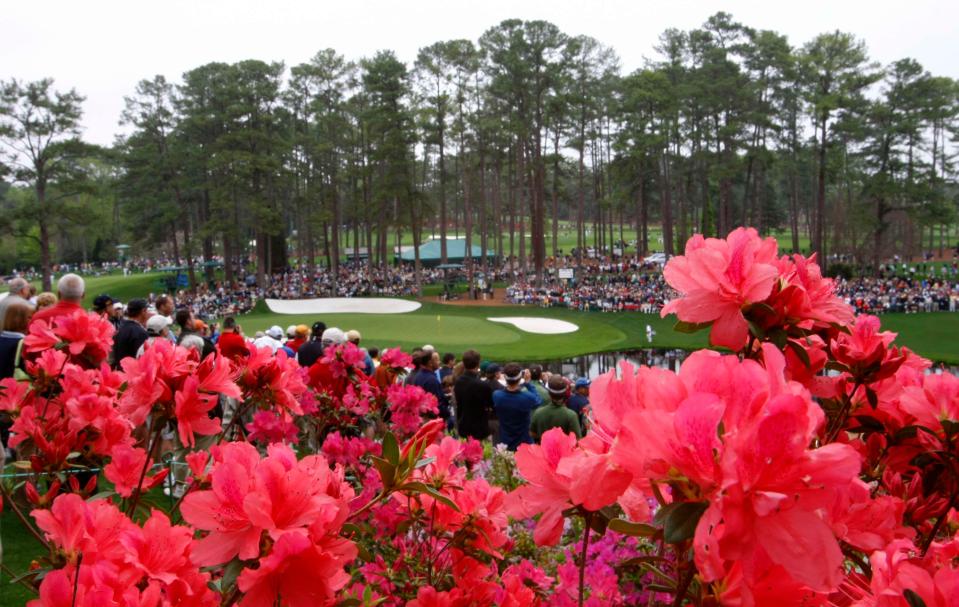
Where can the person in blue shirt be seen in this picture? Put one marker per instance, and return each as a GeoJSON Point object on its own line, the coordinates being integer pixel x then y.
{"type": "Point", "coordinates": [579, 399]}
{"type": "Point", "coordinates": [425, 377]}
{"type": "Point", "coordinates": [514, 407]}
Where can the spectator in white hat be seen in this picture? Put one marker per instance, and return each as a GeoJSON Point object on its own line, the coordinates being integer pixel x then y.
{"type": "Point", "coordinates": [158, 327]}
{"type": "Point", "coordinates": [272, 339]}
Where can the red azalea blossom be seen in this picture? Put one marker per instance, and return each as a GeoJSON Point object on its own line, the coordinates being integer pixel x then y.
{"type": "Point", "coordinates": [716, 278]}
{"type": "Point", "coordinates": [125, 470]}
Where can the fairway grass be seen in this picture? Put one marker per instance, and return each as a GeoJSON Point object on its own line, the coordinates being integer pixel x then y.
{"type": "Point", "coordinates": [453, 328]}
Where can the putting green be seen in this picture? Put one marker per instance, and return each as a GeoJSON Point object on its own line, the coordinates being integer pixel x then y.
{"type": "Point", "coordinates": [386, 329]}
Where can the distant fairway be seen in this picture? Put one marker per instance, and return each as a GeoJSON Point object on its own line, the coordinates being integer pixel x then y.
{"type": "Point", "coordinates": [456, 328]}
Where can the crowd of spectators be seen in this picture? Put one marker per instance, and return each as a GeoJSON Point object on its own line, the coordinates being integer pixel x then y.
{"type": "Point", "coordinates": [607, 286]}
{"type": "Point", "coordinates": [878, 295]}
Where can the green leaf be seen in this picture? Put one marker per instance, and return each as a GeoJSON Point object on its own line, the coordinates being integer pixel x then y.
{"type": "Point", "coordinates": [800, 353]}
{"type": "Point", "coordinates": [598, 522]}
{"type": "Point", "coordinates": [869, 423]}
{"type": "Point", "coordinates": [636, 561]}
{"type": "Point", "coordinates": [231, 572]}
{"type": "Point", "coordinates": [634, 529]}
{"type": "Point", "coordinates": [690, 327]}
{"type": "Point", "coordinates": [872, 398]}
{"type": "Point", "coordinates": [907, 432]}
{"type": "Point", "coordinates": [32, 573]}
{"type": "Point", "coordinates": [426, 461]}
{"type": "Point", "coordinates": [679, 520]}
{"type": "Point", "coordinates": [391, 450]}
{"type": "Point", "coordinates": [912, 598]}
{"type": "Point", "coordinates": [418, 487]}
{"type": "Point", "coordinates": [387, 471]}
{"type": "Point", "coordinates": [779, 338]}
{"type": "Point", "coordinates": [756, 329]}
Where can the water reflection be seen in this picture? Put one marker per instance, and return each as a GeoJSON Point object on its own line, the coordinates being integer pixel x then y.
{"type": "Point", "coordinates": [594, 365]}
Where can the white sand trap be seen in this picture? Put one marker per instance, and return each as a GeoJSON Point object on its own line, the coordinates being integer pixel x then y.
{"type": "Point", "coordinates": [532, 324]}
{"type": "Point", "coordinates": [3, 296]}
{"type": "Point", "coordinates": [342, 305]}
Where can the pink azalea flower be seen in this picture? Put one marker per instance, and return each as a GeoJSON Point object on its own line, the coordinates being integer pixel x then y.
{"type": "Point", "coordinates": [60, 588]}
{"type": "Point", "coordinates": [249, 496]}
{"type": "Point", "coordinates": [936, 400]}
{"type": "Point", "coordinates": [348, 451]}
{"type": "Point", "coordinates": [899, 567]}
{"type": "Point", "coordinates": [126, 466]}
{"type": "Point", "coordinates": [343, 358]}
{"type": "Point", "coordinates": [192, 412]}
{"type": "Point", "coordinates": [92, 528]}
{"type": "Point", "coordinates": [12, 394]}
{"type": "Point", "coordinates": [88, 335]}
{"type": "Point", "coordinates": [220, 510]}
{"type": "Point", "coordinates": [297, 573]}
{"type": "Point", "coordinates": [160, 551]}
{"type": "Point", "coordinates": [268, 427]}
{"type": "Point", "coordinates": [716, 278]}
{"type": "Point", "coordinates": [407, 405]}
{"type": "Point", "coordinates": [197, 462]}
{"type": "Point", "coordinates": [865, 350]}
{"type": "Point", "coordinates": [395, 358]}
{"type": "Point", "coordinates": [818, 300]}
{"type": "Point", "coordinates": [552, 470]}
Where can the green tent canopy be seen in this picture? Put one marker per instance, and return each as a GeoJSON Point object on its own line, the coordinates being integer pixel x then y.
{"type": "Point", "coordinates": [455, 252]}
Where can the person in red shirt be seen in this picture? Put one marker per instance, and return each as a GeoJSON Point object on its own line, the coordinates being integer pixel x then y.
{"type": "Point", "coordinates": [299, 338]}
{"type": "Point", "coordinates": [70, 290]}
{"type": "Point", "coordinates": [231, 343]}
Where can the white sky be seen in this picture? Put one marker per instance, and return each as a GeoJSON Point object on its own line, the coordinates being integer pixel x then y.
{"type": "Point", "coordinates": [103, 47]}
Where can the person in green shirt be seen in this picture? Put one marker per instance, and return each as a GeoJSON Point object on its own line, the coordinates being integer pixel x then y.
{"type": "Point", "coordinates": [536, 377]}
{"type": "Point", "coordinates": [554, 413]}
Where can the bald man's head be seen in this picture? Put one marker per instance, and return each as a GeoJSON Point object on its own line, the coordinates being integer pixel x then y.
{"type": "Point", "coordinates": [20, 287]}
{"type": "Point", "coordinates": [71, 288]}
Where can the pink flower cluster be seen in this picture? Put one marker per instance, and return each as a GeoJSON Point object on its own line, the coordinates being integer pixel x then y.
{"type": "Point", "coordinates": [729, 283]}
{"type": "Point", "coordinates": [281, 517]}
{"type": "Point", "coordinates": [408, 405]}
{"type": "Point", "coordinates": [109, 560]}
{"type": "Point", "coordinates": [348, 451]}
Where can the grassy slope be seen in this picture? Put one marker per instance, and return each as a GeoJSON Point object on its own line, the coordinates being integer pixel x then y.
{"type": "Point", "coordinates": [19, 548]}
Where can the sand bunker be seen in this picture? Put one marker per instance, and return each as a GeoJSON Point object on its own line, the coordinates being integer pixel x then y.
{"type": "Point", "coordinates": [342, 305]}
{"type": "Point", "coordinates": [532, 324]}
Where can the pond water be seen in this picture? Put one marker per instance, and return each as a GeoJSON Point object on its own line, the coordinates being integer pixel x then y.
{"type": "Point", "coordinates": [594, 365]}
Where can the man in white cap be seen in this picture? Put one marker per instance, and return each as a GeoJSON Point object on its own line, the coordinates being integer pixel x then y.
{"type": "Point", "coordinates": [158, 327]}
{"type": "Point", "coordinates": [333, 337]}
{"type": "Point", "coordinates": [272, 339]}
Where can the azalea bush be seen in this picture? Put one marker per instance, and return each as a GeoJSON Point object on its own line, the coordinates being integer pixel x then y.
{"type": "Point", "coordinates": [806, 460]}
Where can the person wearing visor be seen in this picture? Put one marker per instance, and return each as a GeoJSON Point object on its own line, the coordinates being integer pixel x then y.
{"type": "Point", "coordinates": [555, 414]}
{"type": "Point", "coordinates": [514, 406]}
